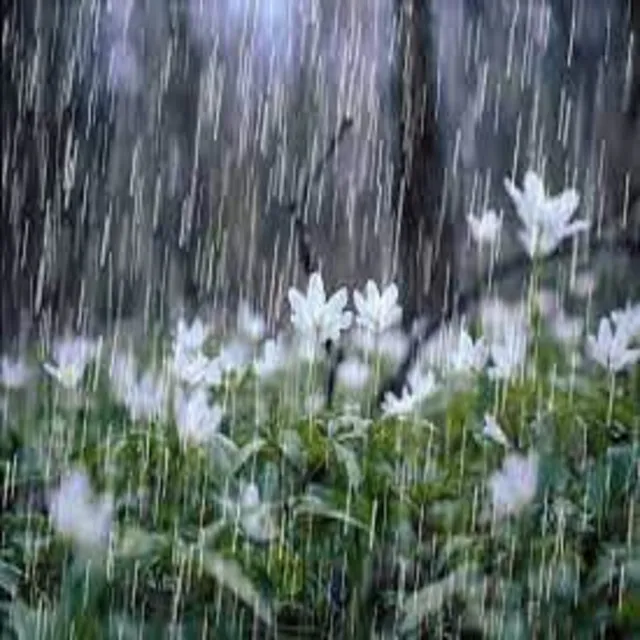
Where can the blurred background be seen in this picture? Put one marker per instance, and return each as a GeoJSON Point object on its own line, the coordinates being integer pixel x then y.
{"type": "Point", "coordinates": [150, 148]}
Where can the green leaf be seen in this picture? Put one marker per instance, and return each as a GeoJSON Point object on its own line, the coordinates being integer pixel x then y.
{"type": "Point", "coordinates": [432, 598]}
{"type": "Point", "coordinates": [26, 623]}
{"type": "Point", "coordinates": [348, 458]}
{"type": "Point", "coordinates": [137, 543]}
{"type": "Point", "coordinates": [314, 508]}
{"type": "Point", "coordinates": [229, 575]}
{"type": "Point", "coordinates": [247, 452]}
{"type": "Point", "coordinates": [9, 578]}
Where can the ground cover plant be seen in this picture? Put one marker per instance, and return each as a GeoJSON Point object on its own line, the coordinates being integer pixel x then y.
{"type": "Point", "coordinates": [204, 487]}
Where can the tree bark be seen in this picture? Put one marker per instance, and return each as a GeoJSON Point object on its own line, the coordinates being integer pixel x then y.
{"type": "Point", "coordinates": [425, 234]}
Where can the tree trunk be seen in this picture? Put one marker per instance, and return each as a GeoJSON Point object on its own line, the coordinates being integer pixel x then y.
{"type": "Point", "coordinates": [425, 238]}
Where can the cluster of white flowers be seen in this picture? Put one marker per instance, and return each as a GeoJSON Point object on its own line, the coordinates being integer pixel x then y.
{"type": "Point", "coordinates": [515, 485]}
{"type": "Point", "coordinates": [145, 397]}
{"type": "Point", "coordinates": [546, 220]}
{"type": "Point", "coordinates": [612, 347]}
{"type": "Point", "coordinates": [14, 373]}
{"type": "Point", "coordinates": [420, 387]}
{"type": "Point", "coordinates": [77, 514]}
{"type": "Point", "coordinates": [72, 356]}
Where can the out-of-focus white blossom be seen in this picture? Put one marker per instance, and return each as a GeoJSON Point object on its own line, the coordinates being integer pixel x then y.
{"type": "Point", "coordinates": [234, 357]}
{"type": "Point", "coordinates": [273, 358]}
{"type": "Point", "coordinates": [314, 403]}
{"type": "Point", "coordinates": [77, 514]}
{"type": "Point", "coordinates": [485, 229]}
{"type": "Point", "coordinates": [72, 356]}
{"type": "Point", "coordinates": [566, 329]}
{"type": "Point", "coordinates": [627, 320]}
{"type": "Point", "coordinates": [392, 344]}
{"type": "Point", "coordinates": [14, 373]}
{"type": "Point", "coordinates": [196, 419]}
{"type": "Point", "coordinates": [546, 220]}
{"type": "Point", "coordinates": [515, 485]}
{"type": "Point", "coordinates": [195, 369]}
{"type": "Point", "coordinates": [492, 430]}
{"type": "Point", "coordinates": [419, 387]}
{"type": "Point", "coordinates": [377, 312]}
{"type": "Point", "coordinates": [499, 318]}
{"type": "Point", "coordinates": [147, 398]}
{"type": "Point", "coordinates": [353, 374]}
{"type": "Point", "coordinates": [402, 406]}
{"type": "Point", "coordinates": [508, 354]}
{"type": "Point", "coordinates": [251, 325]}
{"type": "Point", "coordinates": [255, 517]}
{"type": "Point", "coordinates": [316, 318]}
{"type": "Point", "coordinates": [610, 348]}
{"type": "Point", "coordinates": [190, 338]}
{"type": "Point", "coordinates": [468, 356]}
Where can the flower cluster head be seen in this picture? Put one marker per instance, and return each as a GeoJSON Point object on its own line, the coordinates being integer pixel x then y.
{"type": "Point", "coordinates": [377, 311]}
{"type": "Point", "coordinates": [467, 355]}
{"type": "Point", "coordinates": [315, 318]}
{"type": "Point", "coordinates": [515, 485]}
{"type": "Point", "coordinates": [485, 229]}
{"type": "Point", "coordinates": [612, 346]}
{"type": "Point", "coordinates": [145, 397]}
{"type": "Point", "coordinates": [14, 373]}
{"type": "Point", "coordinates": [197, 420]}
{"type": "Point", "coordinates": [77, 514]}
{"type": "Point", "coordinates": [71, 358]}
{"type": "Point", "coordinates": [546, 220]}
{"type": "Point", "coordinates": [420, 386]}
{"type": "Point", "coordinates": [273, 358]}
{"type": "Point", "coordinates": [251, 325]}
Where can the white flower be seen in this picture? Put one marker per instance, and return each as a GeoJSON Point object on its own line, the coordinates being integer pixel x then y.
{"type": "Point", "coordinates": [499, 318]}
{"type": "Point", "coordinates": [353, 374]}
{"type": "Point", "coordinates": [546, 220]}
{"type": "Point", "coordinates": [314, 403]}
{"type": "Point", "coordinates": [234, 357]}
{"type": "Point", "coordinates": [195, 369]}
{"type": "Point", "coordinates": [14, 374]}
{"type": "Point", "coordinates": [147, 398]}
{"type": "Point", "coordinates": [418, 388]}
{"type": "Point", "coordinates": [377, 312]}
{"type": "Point", "coordinates": [316, 318]}
{"type": "Point", "coordinates": [272, 360]}
{"type": "Point", "coordinates": [485, 229]}
{"type": "Point", "coordinates": [191, 338]}
{"type": "Point", "coordinates": [492, 430]}
{"type": "Point", "coordinates": [391, 344]}
{"type": "Point", "coordinates": [611, 350]}
{"type": "Point", "coordinates": [508, 353]}
{"type": "Point", "coordinates": [627, 320]}
{"type": "Point", "coordinates": [515, 485]}
{"type": "Point", "coordinates": [250, 325]}
{"type": "Point", "coordinates": [76, 514]}
{"type": "Point", "coordinates": [122, 373]}
{"type": "Point", "coordinates": [196, 420]}
{"type": "Point", "coordinates": [255, 517]}
{"type": "Point", "coordinates": [468, 356]}
{"type": "Point", "coordinates": [567, 329]}
{"type": "Point", "coordinates": [394, 406]}
{"type": "Point", "coordinates": [422, 386]}
{"type": "Point", "coordinates": [72, 356]}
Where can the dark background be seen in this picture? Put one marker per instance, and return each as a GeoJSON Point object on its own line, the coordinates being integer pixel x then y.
{"type": "Point", "coordinates": [148, 150]}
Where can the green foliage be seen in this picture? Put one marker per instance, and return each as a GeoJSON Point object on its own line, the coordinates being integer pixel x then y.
{"type": "Point", "coordinates": [378, 524]}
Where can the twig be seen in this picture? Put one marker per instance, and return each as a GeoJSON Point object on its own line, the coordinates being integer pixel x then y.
{"type": "Point", "coordinates": [298, 207]}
